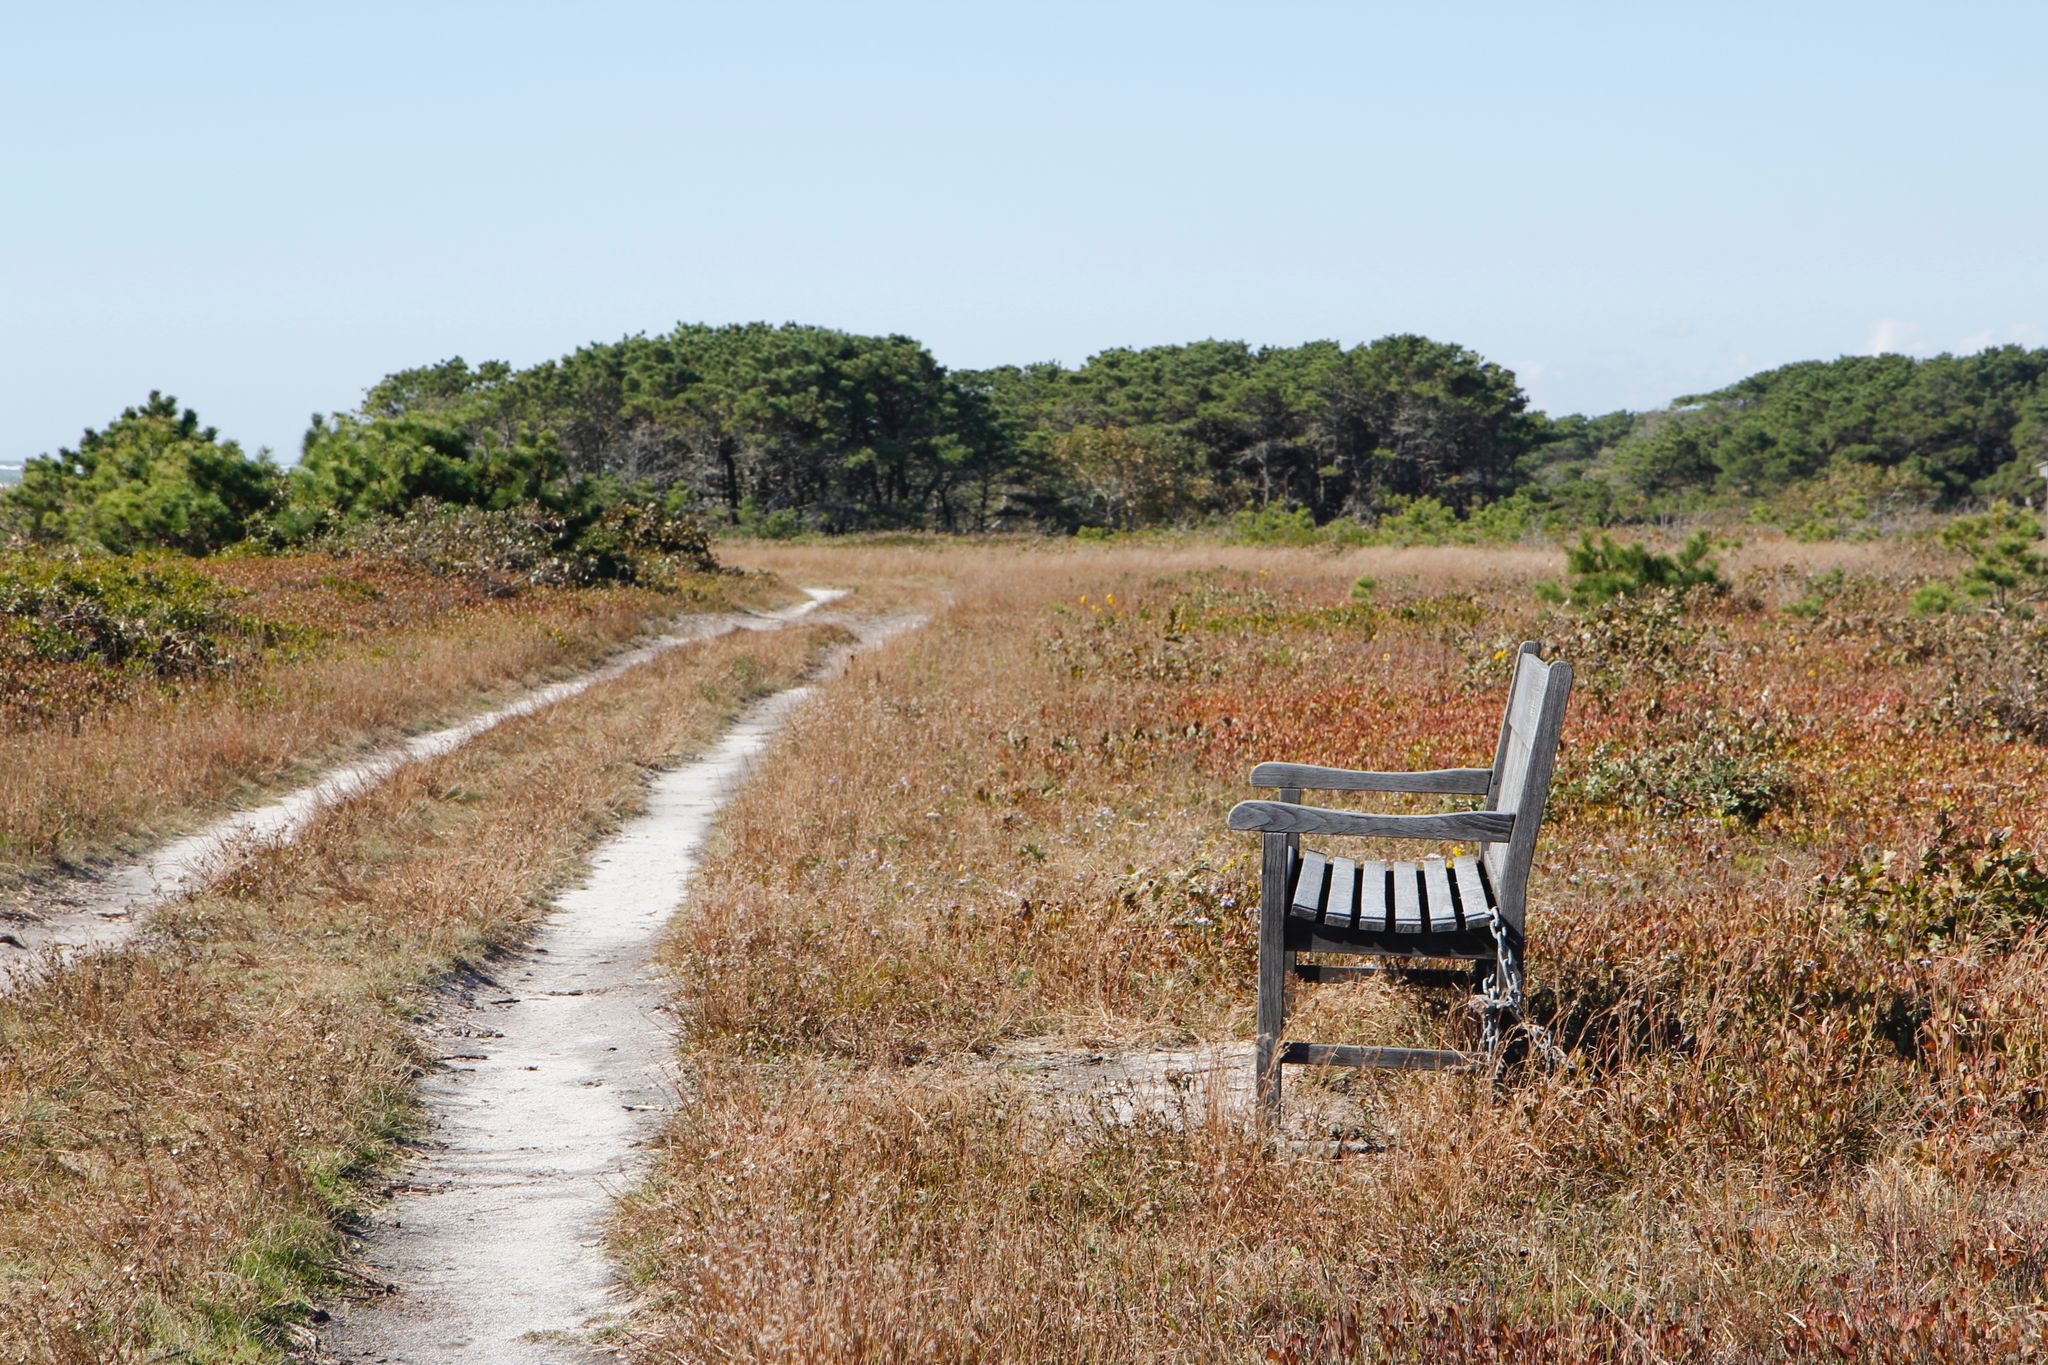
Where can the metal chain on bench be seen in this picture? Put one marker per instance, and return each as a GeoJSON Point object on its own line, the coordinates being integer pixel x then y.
{"type": "Point", "coordinates": [1500, 1016]}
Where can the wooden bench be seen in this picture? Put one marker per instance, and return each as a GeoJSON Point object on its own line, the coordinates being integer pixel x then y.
{"type": "Point", "coordinates": [1436, 909]}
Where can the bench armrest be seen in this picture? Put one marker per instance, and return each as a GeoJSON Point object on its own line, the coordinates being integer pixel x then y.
{"type": "Point", "coordinates": [1284, 817]}
{"type": "Point", "coordinates": [1449, 781]}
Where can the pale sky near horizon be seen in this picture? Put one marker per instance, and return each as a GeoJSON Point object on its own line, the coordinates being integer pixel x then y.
{"type": "Point", "coordinates": [263, 209]}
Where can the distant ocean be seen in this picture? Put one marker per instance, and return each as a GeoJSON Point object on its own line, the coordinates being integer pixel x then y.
{"type": "Point", "coordinates": [9, 473]}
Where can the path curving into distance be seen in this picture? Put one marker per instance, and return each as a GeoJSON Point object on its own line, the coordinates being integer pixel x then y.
{"type": "Point", "coordinates": [97, 911]}
{"type": "Point", "coordinates": [558, 1071]}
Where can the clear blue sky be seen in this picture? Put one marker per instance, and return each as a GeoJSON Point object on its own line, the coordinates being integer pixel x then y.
{"type": "Point", "coordinates": [262, 209]}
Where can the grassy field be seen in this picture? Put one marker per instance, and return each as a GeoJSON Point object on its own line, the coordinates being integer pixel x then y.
{"type": "Point", "coordinates": [1787, 925]}
{"type": "Point", "coordinates": [136, 695]}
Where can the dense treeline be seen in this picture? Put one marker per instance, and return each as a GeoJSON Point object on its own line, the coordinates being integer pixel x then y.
{"type": "Point", "coordinates": [806, 426]}
{"type": "Point", "coordinates": [783, 428]}
{"type": "Point", "coordinates": [1941, 430]}
{"type": "Point", "coordinates": [843, 432]}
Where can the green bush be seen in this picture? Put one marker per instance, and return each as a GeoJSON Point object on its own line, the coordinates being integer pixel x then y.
{"type": "Point", "coordinates": [1274, 524]}
{"type": "Point", "coordinates": [780, 523]}
{"type": "Point", "coordinates": [153, 480]}
{"type": "Point", "coordinates": [1426, 521]}
{"type": "Point", "coordinates": [1965, 887]}
{"type": "Point", "coordinates": [1419, 521]}
{"type": "Point", "coordinates": [505, 546]}
{"type": "Point", "coordinates": [1727, 769]}
{"type": "Point", "coordinates": [529, 545]}
{"type": "Point", "coordinates": [2007, 570]}
{"type": "Point", "coordinates": [1634, 649]}
{"type": "Point", "coordinates": [351, 469]}
{"type": "Point", "coordinates": [638, 541]}
{"type": "Point", "coordinates": [1602, 571]}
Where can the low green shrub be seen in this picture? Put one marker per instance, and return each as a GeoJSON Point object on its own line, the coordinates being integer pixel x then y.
{"type": "Point", "coordinates": [530, 546]}
{"type": "Point", "coordinates": [154, 479]}
{"type": "Point", "coordinates": [154, 618]}
{"type": "Point", "coordinates": [1636, 648]}
{"type": "Point", "coordinates": [778, 523]}
{"type": "Point", "coordinates": [1606, 569]}
{"type": "Point", "coordinates": [1723, 766]}
{"type": "Point", "coordinates": [509, 547]}
{"type": "Point", "coordinates": [1274, 524]}
{"type": "Point", "coordinates": [639, 542]}
{"type": "Point", "coordinates": [2006, 572]}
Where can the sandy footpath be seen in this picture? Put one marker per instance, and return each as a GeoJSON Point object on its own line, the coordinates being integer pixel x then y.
{"type": "Point", "coordinates": [558, 1072]}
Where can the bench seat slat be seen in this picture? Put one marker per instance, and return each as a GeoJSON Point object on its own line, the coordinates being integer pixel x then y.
{"type": "Point", "coordinates": [1308, 885]}
{"type": "Point", "coordinates": [1432, 896]}
{"type": "Point", "coordinates": [1372, 896]}
{"type": "Point", "coordinates": [1341, 909]}
{"type": "Point", "coordinates": [1407, 899]}
{"type": "Point", "coordinates": [1441, 913]}
{"type": "Point", "coordinates": [1475, 907]}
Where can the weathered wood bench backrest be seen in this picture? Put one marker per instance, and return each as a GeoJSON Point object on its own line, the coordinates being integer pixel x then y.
{"type": "Point", "coordinates": [1522, 766]}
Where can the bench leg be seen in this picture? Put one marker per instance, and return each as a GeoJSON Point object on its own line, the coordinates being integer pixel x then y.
{"type": "Point", "coordinates": [1273, 957]}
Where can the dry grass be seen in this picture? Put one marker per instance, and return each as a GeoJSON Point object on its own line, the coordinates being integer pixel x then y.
{"type": "Point", "coordinates": [1801, 1123]}
{"type": "Point", "coordinates": [374, 650]}
{"type": "Point", "coordinates": [180, 1123]}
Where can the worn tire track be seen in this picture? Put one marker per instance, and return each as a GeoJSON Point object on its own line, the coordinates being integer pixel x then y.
{"type": "Point", "coordinates": [102, 910]}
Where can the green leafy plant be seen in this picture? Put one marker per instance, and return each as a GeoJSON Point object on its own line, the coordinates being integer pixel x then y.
{"type": "Point", "coordinates": [158, 619]}
{"type": "Point", "coordinates": [510, 547]}
{"type": "Point", "coordinates": [638, 541]}
{"type": "Point", "coordinates": [1274, 525]}
{"type": "Point", "coordinates": [1636, 647]}
{"type": "Point", "coordinates": [1727, 768]}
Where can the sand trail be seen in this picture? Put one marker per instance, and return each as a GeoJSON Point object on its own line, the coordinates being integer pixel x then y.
{"type": "Point", "coordinates": [559, 1070]}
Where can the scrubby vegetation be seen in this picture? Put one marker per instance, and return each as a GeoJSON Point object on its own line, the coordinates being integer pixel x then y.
{"type": "Point", "coordinates": [2006, 569]}
{"type": "Point", "coordinates": [136, 692]}
{"type": "Point", "coordinates": [1609, 568]}
{"type": "Point", "coordinates": [441, 496]}
{"type": "Point", "coordinates": [1792, 926]}
{"type": "Point", "coordinates": [153, 479]}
